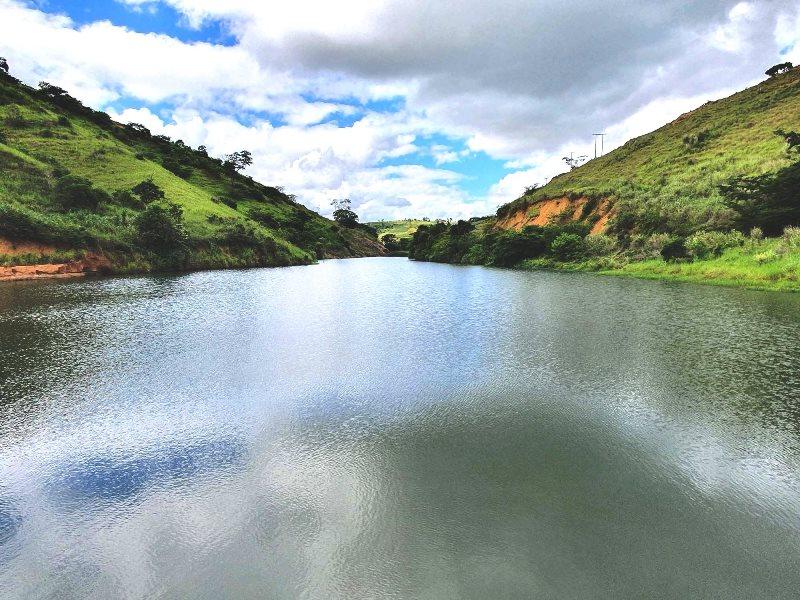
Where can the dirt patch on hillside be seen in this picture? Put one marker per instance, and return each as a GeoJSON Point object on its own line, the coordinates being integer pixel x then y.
{"type": "Point", "coordinates": [571, 209]}
{"type": "Point", "coordinates": [10, 248]}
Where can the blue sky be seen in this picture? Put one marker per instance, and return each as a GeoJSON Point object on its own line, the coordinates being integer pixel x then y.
{"type": "Point", "coordinates": [150, 18]}
{"type": "Point", "coordinates": [449, 115]}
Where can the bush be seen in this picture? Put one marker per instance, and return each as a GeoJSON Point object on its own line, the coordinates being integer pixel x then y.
{"type": "Point", "coordinates": [160, 227]}
{"type": "Point", "coordinates": [791, 237]}
{"type": "Point", "coordinates": [175, 167]}
{"type": "Point", "coordinates": [230, 202]}
{"type": "Point", "coordinates": [126, 198]}
{"type": "Point", "coordinates": [769, 202]}
{"type": "Point", "coordinates": [766, 257]}
{"type": "Point", "coordinates": [461, 228]}
{"type": "Point", "coordinates": [240, 234]}
{"type": "Point", "coordinates": [148, 191]}
{"type": "Point", "coordinates": [705, 244]}
{"type": "Point", "coordinates": [266, 218]}
{"type": "Point", "coordinates": [18, 224]}
{"type": "Point", "coordinates": [391, 243]}
{"type": "Point", "coordinates": [512, 248]}
{"type": "Point", "coordinates": [600, 245]}
{"type": "Point", "coordinates": [567, 246]}
{"type": "Point", "coordinates": [74, 192]}
{"type": "Point", "coordinates": [675, 250]}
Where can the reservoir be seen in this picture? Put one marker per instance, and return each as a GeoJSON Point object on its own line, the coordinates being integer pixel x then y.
{"type": "Point", "coordinates": [381, 428]}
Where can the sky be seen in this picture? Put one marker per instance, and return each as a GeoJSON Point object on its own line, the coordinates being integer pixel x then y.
{"type": "Point", "coordinates": [410, 108]}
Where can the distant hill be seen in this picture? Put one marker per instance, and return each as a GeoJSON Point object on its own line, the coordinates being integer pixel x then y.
{"type": "Point", "coordinates": [76, 186]}
{"type": "Point", "coordinates": [401, 229]}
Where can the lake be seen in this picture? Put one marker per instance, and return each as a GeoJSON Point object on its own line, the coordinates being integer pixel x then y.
{"type": "Point", "coordinates": [380, 428]}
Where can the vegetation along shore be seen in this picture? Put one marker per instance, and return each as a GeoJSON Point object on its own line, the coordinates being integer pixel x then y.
{"type": "Point", "coordinates": [81, 193]}
{"type": "Point", "coordinates": [713, 197]}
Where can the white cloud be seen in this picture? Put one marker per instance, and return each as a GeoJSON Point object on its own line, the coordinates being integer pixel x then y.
{"type": "Point", "coordinates": [522, 80]}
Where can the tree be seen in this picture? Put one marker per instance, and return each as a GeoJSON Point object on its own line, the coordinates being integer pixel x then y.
{"type": "Point", "coordinates": [60, 97]}
{"type": "Point", "coordinates": [160, 227]}
{"type": "Point", "coordinates": [391, 243]}
{"type": "Point", "coordinates": [574, 162]}
{"type": "Point", "coordinates": [52, 91]}
{"type": "Point", "coordinates": [567, 246]}
{"type": "Point", "coordinates": [343, 214]}
{"type": "Point", "coordinates": [238, 160]}
{"type": "Point", "coordinates": [3, 65]}
{"type": "Point", "coordinates": [779, 69]}
{"type": "Point", "coordinates": [138, 128]}
{"type": "Point", "coordinates": [461, 228]}
{"type": "Point", "coordinates": [770, 202]}
{"type": "Point", "coordinates": [148, 191]}
{"type": "Point", "coordinates": [531, 188]}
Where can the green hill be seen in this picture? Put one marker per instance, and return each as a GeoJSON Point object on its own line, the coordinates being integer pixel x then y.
{"type": "Point", "coordinates": [69, 178]}
{"type": "Point", "coordinates": [683, 165]}
{"type": "Point", "coordinates": [714, 189]}
{"type": "Point", "coordinates": [401, 229]}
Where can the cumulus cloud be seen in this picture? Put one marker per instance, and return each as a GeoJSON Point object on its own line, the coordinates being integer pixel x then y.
{"type": "Point", "coordinates": [526, 81]}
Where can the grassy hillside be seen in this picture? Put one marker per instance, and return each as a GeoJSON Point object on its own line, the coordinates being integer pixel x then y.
{"type": "Point", "coordinates": [402, 229]}
{"type": "Point", "coordinates": [713, 196]}
{"type": "Point", "coordinates": [682, 165]}
{"type": "Point", "coordinates": [68, 182]}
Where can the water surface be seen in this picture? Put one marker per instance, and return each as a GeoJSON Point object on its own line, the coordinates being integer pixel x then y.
{"type": "Point", "coordinates": [379, 428]}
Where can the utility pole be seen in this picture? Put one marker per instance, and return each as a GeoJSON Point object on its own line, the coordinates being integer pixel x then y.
{"type": "Point", "coordinates": [602, 137]}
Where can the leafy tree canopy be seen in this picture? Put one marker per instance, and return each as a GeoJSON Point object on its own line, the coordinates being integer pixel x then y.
{"type": "Point", "coordinates": [779, 69]}
{"type": "Point", "coordinates": [343, 214]}
{"type": "Point", "coordinates": [148, 191]}
{"type": "Point", "coordinates": [238, 160]}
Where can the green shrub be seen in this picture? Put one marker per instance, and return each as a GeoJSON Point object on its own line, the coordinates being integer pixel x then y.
{"type": "Point", "coordinates": [765, 257]}
{"type": "Point", "coordinates": [127, 198]}
{"type": "Point", "coordinates": [230, 202]}
{"type": "Point", "coordinates": [74, 192]}
{"type": "Point", "coordinates": [600, 245]}
{"type": "Point", "coordinates": [174, 166]}
{"type": "Point", "coordinates": [16, 223]}
{"type": "Point", "coordinates": [567, 247]}
{"type": "Point", "coordinates": [705, 244]}
{"type": "Point", "coordinates": [241, 234]}
{"type": "Point", "coordinates": [160, 227]}
{"type": "Point", "coordinates": [675, 250]}
{"type": "Point", "coordinates": [791, 237]}
{"type": "Point", "coordinates": [512, 248]}
{"type": "Point", "coordinates": [148, 191]}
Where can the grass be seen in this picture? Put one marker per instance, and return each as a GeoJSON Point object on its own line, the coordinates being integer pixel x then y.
{"type": "Point", "coordinates": [764, 265]}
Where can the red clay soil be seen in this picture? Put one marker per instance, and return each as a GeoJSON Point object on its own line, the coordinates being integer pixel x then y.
{"type": "Point", "coordinates": [92, 263]}
{"type": "Point", "coordinates": [541, 212]}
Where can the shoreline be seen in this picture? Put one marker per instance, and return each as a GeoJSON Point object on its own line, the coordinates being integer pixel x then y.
{"type": "Point", "coordinates": [699, 273]}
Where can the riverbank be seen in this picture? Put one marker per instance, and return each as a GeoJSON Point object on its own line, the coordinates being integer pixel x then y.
{"type": "Point", "coordinates": [759, 268]}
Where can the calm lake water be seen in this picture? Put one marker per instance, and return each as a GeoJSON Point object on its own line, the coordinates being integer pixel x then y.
{"type": "Point", "coordinates": [379, 428]}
